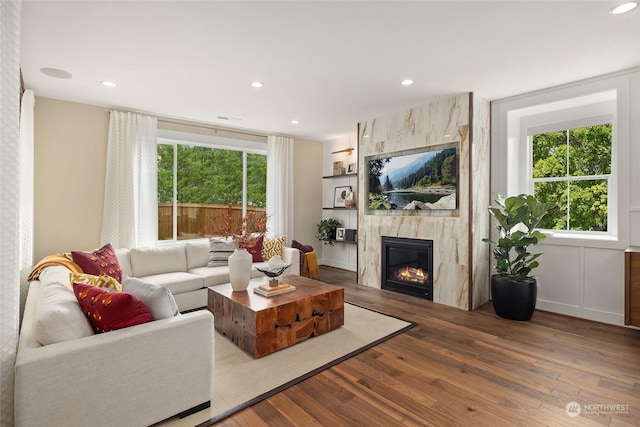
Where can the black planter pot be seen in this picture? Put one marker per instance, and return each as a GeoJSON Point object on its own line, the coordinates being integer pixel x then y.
{"type": "Point", "coordinates": [513, 300]}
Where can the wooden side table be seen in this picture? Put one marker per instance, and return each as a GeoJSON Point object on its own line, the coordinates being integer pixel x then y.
{"type": "Point", "coordinates": [261, 325]}
{"type": "Point", "coordinates": [632, 286]}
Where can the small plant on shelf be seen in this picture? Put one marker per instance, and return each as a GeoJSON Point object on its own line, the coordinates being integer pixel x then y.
{"type": "Point", "coordinates": [327, 230]}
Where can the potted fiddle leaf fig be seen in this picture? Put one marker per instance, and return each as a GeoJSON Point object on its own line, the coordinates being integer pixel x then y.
{"type": "Point", "coordinates": [327, 230]}
{"type": "Point", "coordinates": [513, 289]}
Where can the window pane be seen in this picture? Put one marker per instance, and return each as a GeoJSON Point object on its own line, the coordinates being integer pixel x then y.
{"type": "Point", "coordinates": [590, 150]}
{"type": "Point", "coordinates": [550, 155]}
{"type": "Point", "coordinates": [556, 192]}
{"type": "Point", "coordinates": [588, 205]}
{"type": "Point", "coordinates": [206, 176]}
{"type": "Point", "coordinates": [256, 180]}
{"type": "Point", "coordinates": [165, 192]}
{"type": "Point", "coordinates": [581, 205]}
{"type": "Point", "coordinates": [209, 190]}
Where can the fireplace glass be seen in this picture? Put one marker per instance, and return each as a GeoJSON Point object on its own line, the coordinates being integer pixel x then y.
{"type": "Point", "coordinates": [407, 266]}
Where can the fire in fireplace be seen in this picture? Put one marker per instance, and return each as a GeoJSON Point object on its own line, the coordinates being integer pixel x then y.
{"type": "Point", "coordinates": [407, 266]}
{"type": "Point", "coordinates": [411, 275]}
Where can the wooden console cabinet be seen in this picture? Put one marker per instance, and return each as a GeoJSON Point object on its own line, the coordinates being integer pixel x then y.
{"type": "Point", "coordinates": [632, 286]}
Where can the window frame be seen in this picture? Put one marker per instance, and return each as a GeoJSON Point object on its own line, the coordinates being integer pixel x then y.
{"type": "Point", "coordinates": [579, 122]}
{"type": "Point", "coordinates": [519, 156]}
{"type": "Point", "coordinates": [173, 138]}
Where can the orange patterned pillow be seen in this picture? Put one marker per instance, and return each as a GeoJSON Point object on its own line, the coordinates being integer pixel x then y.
{"type": "Point", "coordinates": [99, 262]}
{"type": "Point", "coordinates": [272, 247]}
{"type": "Point", "coordinates": [108, 311]}
{"type": "Point", "coordinates": [104, 281]}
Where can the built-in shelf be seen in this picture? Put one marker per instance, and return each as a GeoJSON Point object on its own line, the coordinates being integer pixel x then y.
{"type": "Point", "coordinates": [339, 209]}
{"type": "Point", "coordinates": [346, 175]}
{"type": "Point", "coordinates": [348, 242]}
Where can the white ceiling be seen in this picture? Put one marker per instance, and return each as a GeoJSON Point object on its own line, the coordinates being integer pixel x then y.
{"type": "Point", "coordinates": [328, 64]}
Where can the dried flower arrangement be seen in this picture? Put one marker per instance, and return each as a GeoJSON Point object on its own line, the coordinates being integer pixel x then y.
{"type": "Point", "coordinates": [253, 225]}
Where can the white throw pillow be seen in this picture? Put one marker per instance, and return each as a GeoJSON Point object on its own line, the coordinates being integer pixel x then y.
{"type": "Point", "coordinates": [158, 299]}
{"type": "Point", "coordinates": [58, 316]}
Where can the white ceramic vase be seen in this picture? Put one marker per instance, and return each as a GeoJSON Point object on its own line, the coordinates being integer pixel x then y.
{"type": "Point", "coordinates": [240, 263]}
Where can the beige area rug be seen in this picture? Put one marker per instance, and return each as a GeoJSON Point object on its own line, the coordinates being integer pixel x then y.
{"type": "Point", "coordinates": [241, 381]}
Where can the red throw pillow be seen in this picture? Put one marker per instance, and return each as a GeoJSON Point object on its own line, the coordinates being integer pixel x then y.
{"type": "Point", "coordinates": [99, 262]}
{"type": "Point", "coordinates": [108, 311]}
{"type": "Point", "coordinates": [256, 249]}
{"type": "Point", "coordinates": [304, 248]}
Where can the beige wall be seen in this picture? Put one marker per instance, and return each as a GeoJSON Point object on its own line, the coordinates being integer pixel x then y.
{"type": "Point", "coordinates": [307, 198]}
{"type": "Point", "coordinates": [70, 158]}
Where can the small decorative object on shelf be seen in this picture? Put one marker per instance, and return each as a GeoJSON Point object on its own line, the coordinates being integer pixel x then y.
{"type": "Point", "coordinates": [349, 200]}
{"type": "Point", "coordinates": [276, 267]}
{"type": "Point", "coordinates": [350, 235]}
{"type": "Point", "coordinates": [351, 168]}
{"type": "Point", "coordinates": [340, 196]}
{"type": "Point", "coordinates": [340, 232]}
{"type": "Point", "coordinates": [327, 230]}
{"type": "Point", "coordinates": [338, 168]}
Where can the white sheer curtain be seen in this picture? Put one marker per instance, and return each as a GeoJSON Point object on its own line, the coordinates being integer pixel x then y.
{"type": "Point", "coordinates": [10, 180]}
{"type": "Point", "coordinates": [280, 186]}
{"type": "Point", "coordinates": [26, 188]}
{"type": "Point", "coordinates": [130, 216]}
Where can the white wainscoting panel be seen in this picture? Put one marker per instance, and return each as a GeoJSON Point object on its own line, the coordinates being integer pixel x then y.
{"type": "Point", "coordinates": [560, 275]}
{"type": "Point", "coordinates": [604, 280]}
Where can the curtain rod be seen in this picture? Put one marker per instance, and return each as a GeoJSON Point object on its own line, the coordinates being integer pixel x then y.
{"type": "Point", "coordinates": [204, 126]}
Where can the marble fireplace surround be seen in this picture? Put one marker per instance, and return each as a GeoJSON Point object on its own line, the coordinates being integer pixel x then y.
{"type": "Point", "coordinates": [460, 258]}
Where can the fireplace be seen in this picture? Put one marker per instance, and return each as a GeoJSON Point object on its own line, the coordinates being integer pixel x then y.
{"type": "Point", "coordinates": [407, 266]}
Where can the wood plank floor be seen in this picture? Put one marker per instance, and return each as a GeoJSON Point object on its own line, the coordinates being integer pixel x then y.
{"type": "Point", "coordinates": [459, 368]}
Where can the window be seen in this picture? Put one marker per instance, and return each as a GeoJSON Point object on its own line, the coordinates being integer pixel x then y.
{"type": "Point", "coordinates": [572, 167]}
{"type": "Point", "coordinates": [566, 152]}
{"type": "Point", "coordinates": [197, 182]}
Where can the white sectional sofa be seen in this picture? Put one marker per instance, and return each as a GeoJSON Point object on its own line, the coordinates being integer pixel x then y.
{"type": "Point", "coordinates": [136, 376]}
{"type": "Point", "coordinates": [183, 269]}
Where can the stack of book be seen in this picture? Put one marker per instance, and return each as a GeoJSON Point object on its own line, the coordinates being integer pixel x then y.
{"type": "Point", "coordinates": [269, 291]}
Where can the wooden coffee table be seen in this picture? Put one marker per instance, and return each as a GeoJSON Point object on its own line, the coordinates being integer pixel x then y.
{"type": "Point", "coordinates": [261, 325]}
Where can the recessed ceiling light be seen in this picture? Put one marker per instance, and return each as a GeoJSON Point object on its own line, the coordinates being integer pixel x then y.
{"type": "Point", "coordinates": [257, 84]}
{"type": "Point", "coordinates": [295, 122]}
{"type": "Point", "coordinates": [109, 84]}
{"type": "Point", "coordinates": [55, 72]}
{"type": "Point", "coordinates": [624, 8]}
{"type": "Point", "coordinates": [406, 82]}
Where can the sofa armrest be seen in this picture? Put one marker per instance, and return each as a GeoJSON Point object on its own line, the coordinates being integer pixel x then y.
{"type": "Point", "coordinates": [138, 375]}
{"type": "Point", "coordinates": [291, 256]}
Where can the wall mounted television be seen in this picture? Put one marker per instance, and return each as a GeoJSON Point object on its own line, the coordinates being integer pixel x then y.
{"type": "Point", "coordinates": [421, 179]}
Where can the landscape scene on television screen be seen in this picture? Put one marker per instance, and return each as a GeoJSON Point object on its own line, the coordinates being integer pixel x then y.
{"type": "Point", "coordinates": [418, 181]}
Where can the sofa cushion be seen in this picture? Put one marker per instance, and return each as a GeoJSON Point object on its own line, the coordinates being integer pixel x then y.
{"type": "Point", "coordinates": [212, 275]}
{"type": "Point", "coordinates": [272, 247]}
{"type": "Point", "coordinates": [108, 311]}
{"type": "Point", "coordinates": [158, 299]}
{"type": "Point", "coordinates": [125, 262]}
{"type": "Point", "coordinates": [197, 254]}
{"type": "Point", "coordinates": [104, 281]}
{"type": "Point", "coordinates": [220, 250]}
{"type": "Point", "coordinates": [58, 316]}
{"type": "Point", "coordinates": [177, 282]}
{"type": "Point", "coordinates": [157, 260]}
{"type": "Point", "coordinates": [98, 262]}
